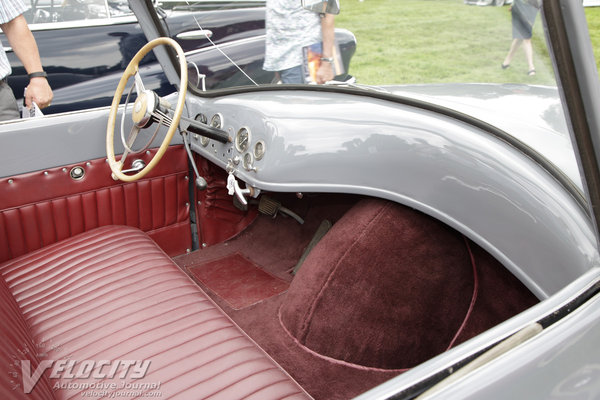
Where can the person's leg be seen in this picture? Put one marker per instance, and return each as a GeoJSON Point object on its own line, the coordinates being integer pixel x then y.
{"type": "Point", "coordinates": [292, 75]}
{"type": "Point", "coordinates": [514, 46]}
{"type": "Point", "coordinates": [527, 46]}
{"type": "Point", "coordinates": [8, 103]}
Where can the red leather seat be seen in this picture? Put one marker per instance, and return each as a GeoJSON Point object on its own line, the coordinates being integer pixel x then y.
{"type": "Point", "coordinates": [111, 294]}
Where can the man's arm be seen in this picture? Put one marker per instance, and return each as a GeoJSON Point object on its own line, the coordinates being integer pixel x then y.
{"type": "Point", "coordinates": [23, 44]}
{"type": "Point", "coordinates": [325, 72]}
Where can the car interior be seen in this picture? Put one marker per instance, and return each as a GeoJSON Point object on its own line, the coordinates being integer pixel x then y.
{"type": "Point", "coordinates": [342, 291]}
{"type": "Point", "coordinates": [232, 284]}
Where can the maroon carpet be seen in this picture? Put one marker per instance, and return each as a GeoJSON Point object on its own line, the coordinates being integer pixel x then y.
{"type": "Point", "coordinates": [384, 290]}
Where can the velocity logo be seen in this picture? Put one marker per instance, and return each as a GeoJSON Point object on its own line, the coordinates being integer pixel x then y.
{"type": "Point", "coordinates": [85, 369]}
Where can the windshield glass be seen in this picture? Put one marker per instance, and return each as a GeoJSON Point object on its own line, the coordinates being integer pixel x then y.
{"type": "Point", "coordinates": [419, 41]}
{"type": "Point", "coordinates": [379, 42]}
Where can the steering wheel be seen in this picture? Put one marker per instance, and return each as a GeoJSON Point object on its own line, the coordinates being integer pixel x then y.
{"type": "Point", "coordinates": [148, 108]}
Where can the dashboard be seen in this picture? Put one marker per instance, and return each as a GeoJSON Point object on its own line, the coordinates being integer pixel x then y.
{"type": "Point", "coordinates": [245, 147]}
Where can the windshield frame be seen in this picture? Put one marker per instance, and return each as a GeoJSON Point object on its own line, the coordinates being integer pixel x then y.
{"type": "Point", "coordinates": [579, 88]}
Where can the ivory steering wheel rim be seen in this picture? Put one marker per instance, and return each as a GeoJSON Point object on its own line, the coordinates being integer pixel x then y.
{"type": "Point", "coordinates": [130, 72]}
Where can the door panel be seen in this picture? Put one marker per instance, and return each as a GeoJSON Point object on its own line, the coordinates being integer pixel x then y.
{"type": "Point", "coordinates": [43, 207]}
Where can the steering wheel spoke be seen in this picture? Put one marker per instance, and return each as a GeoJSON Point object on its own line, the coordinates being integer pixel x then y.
{"type": "Point", "coordinates": [128, 142]}
{"type": "Point", "coordinates": [139, 84]}
{"type": "Point", "coordinates": [146, 110]}
{"type": "Point", "coordinates": [132, 136]}
{"type": "Point", "coordinates": [163, 118]}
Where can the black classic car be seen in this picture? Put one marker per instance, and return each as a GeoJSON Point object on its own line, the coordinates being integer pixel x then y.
{"type": "Point", "coordinates": [84, 72]}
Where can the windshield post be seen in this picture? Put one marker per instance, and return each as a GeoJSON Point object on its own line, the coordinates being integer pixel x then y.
{"type": "Point", "coordinates": [577, 77]}
{"type": "Point", "coordinates": [152, 28]}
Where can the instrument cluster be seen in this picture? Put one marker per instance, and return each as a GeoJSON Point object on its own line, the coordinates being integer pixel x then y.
{"type": "Point", "coordinates": [245, 148]}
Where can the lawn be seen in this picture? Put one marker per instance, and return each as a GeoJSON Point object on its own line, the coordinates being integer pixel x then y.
{"type": "Point", "coordinates": [469, 44]}
{"type": "Point", "coordinates": [593, 17]}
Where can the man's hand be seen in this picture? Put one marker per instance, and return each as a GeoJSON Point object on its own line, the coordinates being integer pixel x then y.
{"type": "Point", "coordinates": [23, 43]}
{"type": "Point", "coordinates": [325, 72]}
{"type": "Point", "coordinates": [38, 91]}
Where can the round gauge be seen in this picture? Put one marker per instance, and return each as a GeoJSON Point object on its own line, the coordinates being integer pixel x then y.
{"type": "Point", "coordinates": [216, 121]}
{"type": "Point", "coordinates": [259, 150]}
{"type": "Point", "coordinates": [202, 119]}
{"type": "Point", "coordinates": [248, 161]}
{"type": "Point", "coordinates": [242, 140]}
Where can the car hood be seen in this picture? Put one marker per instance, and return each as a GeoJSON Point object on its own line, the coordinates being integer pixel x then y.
{"type": "Point", "coordinates": [531, 114]}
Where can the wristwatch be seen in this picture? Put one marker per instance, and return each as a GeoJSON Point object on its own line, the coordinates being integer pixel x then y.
{"type": "Point", "coordinates": [38, 74]}
{"type": "Point", "coordinates": [327, 59]}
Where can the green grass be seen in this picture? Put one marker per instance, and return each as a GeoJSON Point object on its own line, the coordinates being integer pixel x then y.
{"type": "Point", "coordinates": [593, 17]}
{"type": "Point", "coordinates": [428, 41]}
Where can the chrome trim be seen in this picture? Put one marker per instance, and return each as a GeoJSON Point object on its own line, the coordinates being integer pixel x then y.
{"type": "Point", "coordinates": [226, 45]}
{"type": "Point", "coordinates": [77, 173]}
{"type": "Point", "coordinates": [193, 35]}
{"type": "Point", "coordinates": [84, 23]}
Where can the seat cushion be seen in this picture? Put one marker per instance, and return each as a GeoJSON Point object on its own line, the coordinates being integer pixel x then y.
{"type": "Point", "coordinates": [16, 347]}
{"type": "Point", "coordinates": [110, 298]}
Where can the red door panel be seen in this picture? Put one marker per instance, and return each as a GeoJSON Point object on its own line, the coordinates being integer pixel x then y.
{"type": "Point", "coordinates": [43, 207]}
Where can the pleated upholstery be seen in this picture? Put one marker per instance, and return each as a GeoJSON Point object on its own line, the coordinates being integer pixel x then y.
{"type": "Point", "coordinates": [112, 294]}
{"type": "Point", "coordinates": [43, 207]}
{"type": "Point", "coordinates": [16, 346]}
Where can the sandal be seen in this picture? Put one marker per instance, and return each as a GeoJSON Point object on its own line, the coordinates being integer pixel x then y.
{"type": "Point", "coordinates": [531, 72]}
